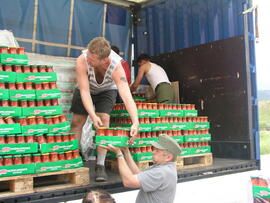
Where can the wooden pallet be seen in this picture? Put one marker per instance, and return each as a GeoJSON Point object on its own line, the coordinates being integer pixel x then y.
{"type": "Point", "coordinates": [113, 164]}
{"type": "Point", "coordinates": [193, 161]}
{"type": "Point", "coordinates": [17, 185]}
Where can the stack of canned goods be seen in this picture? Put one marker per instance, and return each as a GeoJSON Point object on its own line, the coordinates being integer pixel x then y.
{"type": "Point", "coordinates": [7, 160]}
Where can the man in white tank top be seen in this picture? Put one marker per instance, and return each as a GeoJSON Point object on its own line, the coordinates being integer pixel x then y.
{"type": "Point", "coordinates": [156, 77]}
{"type": "Point", "coordinates": [99, 74]}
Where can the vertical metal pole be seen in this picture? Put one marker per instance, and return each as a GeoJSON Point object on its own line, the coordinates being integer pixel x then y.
{"type": "Point", "coordinates": [35, 26]}
{"type": "Point", "coordinates": [70, 25]}
{"type": "Point", "coordinates": [104, 21]}
{"type": "Point", "coordinates": [248, 76]}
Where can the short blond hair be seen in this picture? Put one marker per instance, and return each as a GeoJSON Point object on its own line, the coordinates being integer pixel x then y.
{"type": "Point", "coordinates": [99, 46]}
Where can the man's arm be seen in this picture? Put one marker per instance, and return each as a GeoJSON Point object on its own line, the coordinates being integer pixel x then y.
{"type": "Point", "coordinates": [120, 80]}
{"type": "Point", "coordinates": [141, 72]}
{"type": "Point", "coordinates": [128, 177]}
{"type": "Point", "coordinates": [130, 161]}
{"type": "Point", "coordinates": [82, 78]}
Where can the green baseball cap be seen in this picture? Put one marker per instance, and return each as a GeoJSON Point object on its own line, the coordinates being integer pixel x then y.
{"type": "Point", "coordinates": [167, 143]}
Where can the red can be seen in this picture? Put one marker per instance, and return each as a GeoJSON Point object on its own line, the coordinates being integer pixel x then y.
{"type": "Point", "coordinates": [39, 120]}
{"type": "Point", "coordinates": [17, 159]}
{"type": "Point", "coordinates": [72, 136]}
{"type": "Point", "coordinates": [50, 138]}
{"type": "Point", "coordinates": [37, 158]}
{"type": "Point", "coordinates": [61, 156]}
{"type": "Point", "coordinates": [5, 103]}
{"type": "Point", "coordinates": [40, 139]}
{"type": "Point", "coordinates": [34, 69]}
{"type": "Point", "coordinates": [31, 120]}
{"type": "Point", "coordinates": [54, 156]}
{"type": "Point", "coordinates": [110, 132]}
{"type": "Point", "coordinates": [7, 160]}
{"type": "Point", "coordinates": [47, 102]}
{"type": "Point", "coordinates": [55, 119]}
{"type": "Point", "coordinates": [52, 85]}
{"type": "Point", "coordinates": [17, 68]}
{"type": "Point", "coordinates": [49, 69]}
{"type": "Point", "coordinates": [29, 138]}
{"type": "Point", "coordinates": [28, 86]}
{"type": "Point", "coordinates": [12, 50]}
{"type": "Point", "coordinates": [65, 137]}
{"type": "Point", "coordinates": [3, 49]}
{"type": "Point", "coordinates": [76, 154]}
{"type": "Point", "coordinates": [54, 102]}
{"type": "Point", "coordinates": [20, 138]}
{"type": "Point", "coordinates": [13, 102]}
{"type": "Point", "coordinates": [19, 86]}
{"type": "Point", "coordinates": [20, 50]}
{"type": "Point", "coordinates": [26, 69]}
{"type": "Point", "coordinates": [68, 155]}
{"type": "Point", "coordinates": [39, 103]}
{"type": "Point", "coordinates": [23, 103]}
{"type": "Point", "coordinates": [62, 118]}
{"type": "Point", "coordinates": [38, 86]}
{"type": "Point", "coordinates": [7, 68]}
{"type": "Point", "coordinates": [1, 161]}
{"type": "Point", "coordinates": [143, 149]}
{"type": "Point", "coordinates": [101, 132]}
{"type": "Point", "coordinates": [31, 103]}
{"type": "Point", "coordinates": [48, 120]}
{"type": "Point", "coordinates": [42, 69]}
{"type": "Point", "coordinates": [58, 138]}
{"type": "Point", "coordinates": [2, 139]}
{"type": "Point", "coordinates": [11, 86]}
{"type": "Point", "coordinates": [2, 85]}
{"type": "Point", "coordinates": [27, 159]}
{"type": "Point", "coordinates": [45, 158]}
{"type": "Point", "coordinates": [9, 120]}
{"type": "Point", "coordinates": [45, 86]}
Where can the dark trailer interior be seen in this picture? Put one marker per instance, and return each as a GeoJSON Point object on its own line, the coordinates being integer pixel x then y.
{"type": "Point", "coordinates": [208, 47]}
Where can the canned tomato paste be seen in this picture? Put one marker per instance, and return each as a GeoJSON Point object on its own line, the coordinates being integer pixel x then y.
{"type": "Point", "coordinates": [27, 159]}
{"type": "Point", "coordinates": [7, 160]}
{"type": "Point", "coordinates": [37, 158]}
{"type": "Point", "coordinates": [17, 159]}
{"type": "Point", "coordinates": [2, 139]}
{"type": "Point", "coordinates": [20, 138]}
{"type": "Point", "coordinates": [29, 138]}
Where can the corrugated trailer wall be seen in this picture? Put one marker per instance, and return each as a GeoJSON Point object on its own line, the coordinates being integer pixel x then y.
{"type": "Point", "coordinates": [176, 24]}
{"type": "Point", "coordinates": [173, 25]}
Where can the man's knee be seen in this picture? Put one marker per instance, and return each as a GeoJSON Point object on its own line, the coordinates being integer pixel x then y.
{"type": "Point", "coordinates": [78, 121]}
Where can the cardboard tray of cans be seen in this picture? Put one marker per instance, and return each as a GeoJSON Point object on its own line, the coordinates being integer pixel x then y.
{"type": "Point", "coordinates": [48, 94]}
{"type": "Point", "coordinates": [22, 94]}
{"type": "Point", "coordinates": [42, 111]}
{"type": "Point", "coordinates": [10, 111]}
{"type": "Point", "coordinates": [114, 136]}
{"type": "Point", "coordinates": [261, 187]}
{"type": "Point", "coordinates": [58, 165]}
{"type": "Point", "coordinates": [58, 146]}
{"type": "Point", "coordinates": [197, 138]}
{"type": "Point", "coordinates": [141, 113]}
{"type": "Point", "coordinates": [9, 77]}
{"type": "Point", "coordinates": [12, 165]}
{"type": "Point", "coordinates": [196, 150]}
{"type": "Point", "coordinates": [13, 59]}
{"type": "Point", "coordinates": [14, 128]}
{"type": "Point", "coordinates": [18, 148]}
{"type": "Point", "coordinates": [147, 156]}
{"type": "Point", "coordinates": [36, 77]}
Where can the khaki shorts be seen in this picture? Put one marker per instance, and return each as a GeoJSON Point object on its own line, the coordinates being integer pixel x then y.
{"type": "Point", "coordinates": [164, 93]}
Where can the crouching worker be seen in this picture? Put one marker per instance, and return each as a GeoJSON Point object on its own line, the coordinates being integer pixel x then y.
{"type": "Point", "coordinates": [158, 182]}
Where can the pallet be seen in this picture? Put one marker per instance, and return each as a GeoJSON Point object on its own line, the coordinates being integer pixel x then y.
{"type": "Point", "coordinates": [40, 182]}
{"type": "Point", "coordinates": [113, 164]}
{"type": "Point", "coordinates": [193, 161]}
